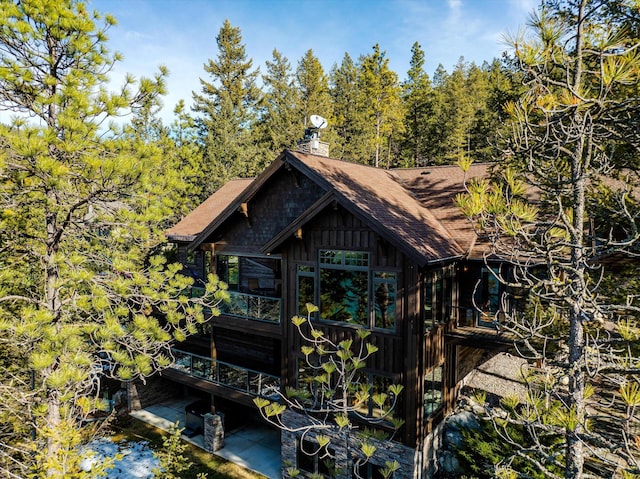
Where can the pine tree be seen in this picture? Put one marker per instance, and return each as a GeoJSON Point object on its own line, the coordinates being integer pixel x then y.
{"type": "Point", "coordinates": [417, 97]}
{"type": "Point", "coordinates": [333, 395]}
{"type": "Point", "coordinates": [349, 112]}
{"type": "Point", "coordinates": [280, 125]}
{"type": "Point", "coordinates": [82, 294]}
{"type": "Point", "coordinates": [575, 142]}
{"type": "Point", "coordinates": [188, 153]}
{"type": "Point", "coordinates": [228, 104]}
{"type": "Point", "coordinates": [381, 93]}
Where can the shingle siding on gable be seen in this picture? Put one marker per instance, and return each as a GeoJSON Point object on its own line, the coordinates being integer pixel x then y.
{"type": "Point", "coordinates": [277, 204]}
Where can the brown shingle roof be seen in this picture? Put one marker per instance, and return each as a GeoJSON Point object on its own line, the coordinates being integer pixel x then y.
{"type": "Point", "coordinates": [196, 221]}
{"type": "Point", "coordinates": [383, 197]}
{"type": "Point", "coordinates": [413, 208]}
{"type": "Point", "coordinates": [436, 187]}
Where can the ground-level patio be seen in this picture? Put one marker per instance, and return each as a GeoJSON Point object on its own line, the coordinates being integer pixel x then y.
{"type": "Point", "coordinates": [252, 445]}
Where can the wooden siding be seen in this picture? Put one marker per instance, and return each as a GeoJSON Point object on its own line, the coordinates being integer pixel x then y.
{"type": "Point", "coordinates": [398, 350]}
{"type": "Point", "coordinates": [247, 350]}
{"type": "Point", "coordinates": [286, 196]}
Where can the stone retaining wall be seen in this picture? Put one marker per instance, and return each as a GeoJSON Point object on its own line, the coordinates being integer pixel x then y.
{"type": "Point", "coordinates": [408, 458]}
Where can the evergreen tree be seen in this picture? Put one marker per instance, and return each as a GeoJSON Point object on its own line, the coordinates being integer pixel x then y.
{"type": "Point", "coordinates": [315, 99]}
{"type": "Point", "coordinates": [464, 121]}
{"type": "Point", "coordinates": [417, 96]}
{"type": "Point", "coordinates": [456, 114]}
{"type": "Point", "coordinates": [381, 93]}
{"type": "Point", "coordinates": [228, 105]}
{"type": "Point", "coordinates": [575, 142]}
{"type": "Point", "coordinates": [81, 214]}
{"type": "Point", "coordinates": [280, 124]}
{"type": "Point", "coordinates": [349, 116]}
{"type": "Point", "coordinates": [189, 159]}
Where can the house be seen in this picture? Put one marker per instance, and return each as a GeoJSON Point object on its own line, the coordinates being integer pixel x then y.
{"type": "Point", "coordinates": [330, 232]}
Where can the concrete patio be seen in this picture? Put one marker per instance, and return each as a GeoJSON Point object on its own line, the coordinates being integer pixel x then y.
{"type": "Point", "coordinates": [253, 446]}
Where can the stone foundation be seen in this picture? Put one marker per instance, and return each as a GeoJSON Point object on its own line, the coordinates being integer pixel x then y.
{"type": "Point", "coordinates": [432, 444]}
{"type": "Point", "coordinates": [408, 458]}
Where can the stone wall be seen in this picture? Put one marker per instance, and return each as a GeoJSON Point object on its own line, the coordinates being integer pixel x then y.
{"type": "Point", "coordinates": [154, 390]}
{"type": "Point", "coordinates": [407, 457]}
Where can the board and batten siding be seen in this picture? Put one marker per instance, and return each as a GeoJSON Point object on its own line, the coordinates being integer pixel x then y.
{"type": "Point", "coordinates": [398, 351]}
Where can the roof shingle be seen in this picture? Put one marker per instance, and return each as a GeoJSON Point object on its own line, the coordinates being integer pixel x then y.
{"type": "Point", "coordinates": [196, 221]}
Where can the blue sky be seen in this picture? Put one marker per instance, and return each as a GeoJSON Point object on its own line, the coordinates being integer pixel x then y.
{"type": "Point", "coordinates": [180, 34]}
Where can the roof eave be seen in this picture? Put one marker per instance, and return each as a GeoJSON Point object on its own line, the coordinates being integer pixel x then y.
{"type": "Point", "coordinates": [180, 238]}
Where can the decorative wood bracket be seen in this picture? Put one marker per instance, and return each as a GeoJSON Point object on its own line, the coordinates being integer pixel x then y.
{"type": "Point", "coordinates": [244, 209]}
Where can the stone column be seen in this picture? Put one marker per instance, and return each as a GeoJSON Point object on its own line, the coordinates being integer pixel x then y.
{"type": "Point", "coordinates": [213, 432]}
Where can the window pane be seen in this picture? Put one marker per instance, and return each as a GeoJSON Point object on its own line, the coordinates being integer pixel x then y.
{"type": "Point", "coordinates": [385, 300]}
{"type": "Point", "coordinates": [306, 289]}
{"type": "Point", "coordinates": [344, 296]}
{"type": "Point", "coordinates": [488, 297]}
{"type": "Point", "coordinates": [356, 258]}
{"type": "Point", "coordinates": [369, 471]}
{"type": "Point", "coordinates": [227, 271]}
{"type": "Point", "coordinates": [329, 256]}
{"type": "Point", "coordinates": [306, 461]}
{"type": "Point", "coordinates": [437, 318]}
{"type": "Point", "coordinates": [433, 391]}
{"type": "Point", "coordinates": [429, 303]}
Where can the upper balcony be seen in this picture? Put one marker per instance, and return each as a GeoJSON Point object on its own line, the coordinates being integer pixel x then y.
{"type": "Point", "coordinates": [255, 307]}
{"type": "Point", "coordinates": [255, 286]}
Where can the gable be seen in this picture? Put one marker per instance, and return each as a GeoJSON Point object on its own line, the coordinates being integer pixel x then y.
{"type": "Point", "coordinates": [282, 198]}
{"type": "Point", "coordinates": [385, 204]}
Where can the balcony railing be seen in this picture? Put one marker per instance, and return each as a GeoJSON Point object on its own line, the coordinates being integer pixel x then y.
{"type": "Point", "coordinates": [253, 306]}
{"type": "Point", "coordinates": [225, 374]}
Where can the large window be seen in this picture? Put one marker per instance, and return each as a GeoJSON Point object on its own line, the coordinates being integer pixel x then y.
{"type": "Point", "coordinates": [488, 296]}
{"type": "Point", "coordinates": [384, 299]}
{"type": "Point", "coordinates": [250, 274]}
{"type": "Point", "coordinates": [347, 290]}
{"type": "Point", "coordinates": [433, 387]}
{"type": "Point", "coordinates": [438, 290]}
{"type": "Point", "coordinates": [228, 271]}
{"type": "Point", "coordinates": [344, 286]}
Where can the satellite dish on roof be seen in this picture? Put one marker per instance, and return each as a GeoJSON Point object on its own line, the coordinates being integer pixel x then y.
{"type": "Point", "coordinates": [318, 121]}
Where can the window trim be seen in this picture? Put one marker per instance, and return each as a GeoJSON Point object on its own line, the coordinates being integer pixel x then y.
{"type": "Point", "coordinates": [365, 260]}
{"type": "Point", "coordinates": [343, 266]}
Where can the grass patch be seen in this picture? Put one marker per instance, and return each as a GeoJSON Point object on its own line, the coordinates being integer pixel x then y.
{"type": "Point", "coordinates": [131, 429]}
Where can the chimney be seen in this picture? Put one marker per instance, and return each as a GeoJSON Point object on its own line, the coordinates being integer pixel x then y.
{"type": "Point", "coordinates": [311, 143]}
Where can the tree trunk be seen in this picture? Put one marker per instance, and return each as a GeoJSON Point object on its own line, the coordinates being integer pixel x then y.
{"type": "Point", "coordinates": [53, 424]}
{"type": "Point", "coordinates": [575, 453]}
